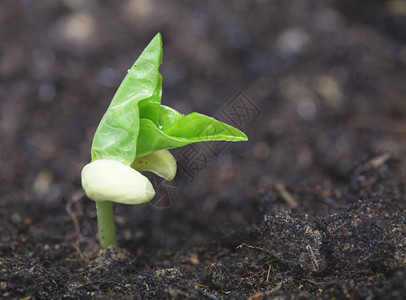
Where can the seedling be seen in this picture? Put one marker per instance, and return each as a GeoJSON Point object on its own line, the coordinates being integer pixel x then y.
{"type": "Point", "coordinates": [134, 135]}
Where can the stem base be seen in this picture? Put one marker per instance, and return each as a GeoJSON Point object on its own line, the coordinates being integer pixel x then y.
{"type": "Point", "coordinates": [105, 222]}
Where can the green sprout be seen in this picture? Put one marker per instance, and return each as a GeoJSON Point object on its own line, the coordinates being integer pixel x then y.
{"type": "Point", "coordinates": [134, 135]}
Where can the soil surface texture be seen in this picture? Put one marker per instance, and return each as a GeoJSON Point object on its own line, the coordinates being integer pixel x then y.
{"type": "Point", "coordinates": [311, 207]}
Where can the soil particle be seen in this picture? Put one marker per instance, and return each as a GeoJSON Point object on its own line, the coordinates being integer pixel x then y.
{"type": "Point", "coordinates": [364, 240]}
{"type": "Point", "coordinates": [295, 242]}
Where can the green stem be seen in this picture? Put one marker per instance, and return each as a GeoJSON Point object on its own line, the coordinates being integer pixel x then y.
{"type": "Point", "coordinates": [105, 222]}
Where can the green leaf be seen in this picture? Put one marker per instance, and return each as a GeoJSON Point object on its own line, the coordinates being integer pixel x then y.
{"type": "Point", "coordinates": [149, 108]}
{"type": "Point", "coordinates": [183, 130]}
{"type": "Point", "coordinates": [196, 127]}
{"type": "Point", "coordinates": [168, 116]}
{"type": "Point", "coordinates": [116, 135]}
{"type": "Point", "coordinates": [136, 124]}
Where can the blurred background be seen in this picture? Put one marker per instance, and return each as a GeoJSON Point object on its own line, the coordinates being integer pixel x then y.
{"type": "Point", "coordinates": [327, 80]}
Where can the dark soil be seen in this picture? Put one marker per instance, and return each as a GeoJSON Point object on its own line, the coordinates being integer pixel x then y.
{"type": "Point", "coordinates": [313, 206]}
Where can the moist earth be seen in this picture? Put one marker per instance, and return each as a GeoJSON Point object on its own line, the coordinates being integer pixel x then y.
{"type": "Point", "coordinates": [312, 206]}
